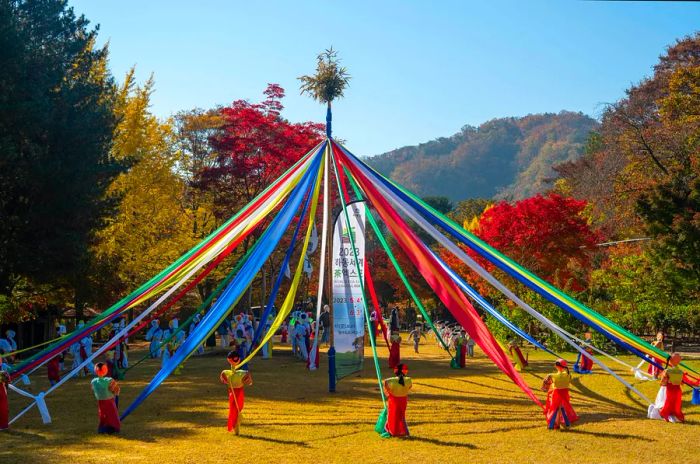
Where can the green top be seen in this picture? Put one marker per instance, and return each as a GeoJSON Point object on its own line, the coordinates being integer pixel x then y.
{"type": "Point", "coordinates": [100, 387]}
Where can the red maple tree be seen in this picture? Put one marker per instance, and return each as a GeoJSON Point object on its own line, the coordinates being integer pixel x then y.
{"type": "Point", "coordinates": [546, 234]}
{"type": "Point", "coordinates": [254, 146]}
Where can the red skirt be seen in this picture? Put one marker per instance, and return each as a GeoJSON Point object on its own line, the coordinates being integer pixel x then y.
{"type": "Point", "coordinates": [4, 407]}
{"type": "Point", "coordinates": [396, 416]}
{"type": "Point", "coordinates": [520, 356]}
{"type": "Point", "coordinates": [54, 372]}
{"type": "Point", "coordinates": [558, 409]}
{"type": "Point", "coordinates": [462, 355]}
{"type": "Point", "coordinates": [394, 355]}
{"type": "Point", "coordinates": [586, 363]}
{"type": "Point", "coordinates": [653, 370]}
{"type": "Point", "coordinates": [109, 416]}
{"type": "Point", "coordinates": [236, 398]}
{"type": "Point", "coordinates": [672, 406]}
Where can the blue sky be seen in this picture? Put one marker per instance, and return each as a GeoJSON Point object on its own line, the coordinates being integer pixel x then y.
{"type": "Point", "coordinates": [419, 70]}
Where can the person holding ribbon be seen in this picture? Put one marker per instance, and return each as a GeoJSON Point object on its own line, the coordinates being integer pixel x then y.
{"type": "Point", "coordinates": [558, 409]}
{"type": "Point", "coordinates": [396, 389]}
{"type": "Point", "coordinates": [235, 380]}
{"type": "Point", "coordinates": [105, 389]}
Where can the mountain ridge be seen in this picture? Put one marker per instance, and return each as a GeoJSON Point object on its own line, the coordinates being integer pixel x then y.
{"type": "Point", "coordinates": [509, 157]}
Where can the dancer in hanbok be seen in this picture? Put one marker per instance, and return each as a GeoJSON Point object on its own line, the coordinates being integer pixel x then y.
{"type": "Point", "coordinates": [516, 355]}
{"type": "Point", "coordinates": [300, 336]}
{"type": "Point", "coordinates": [105, 389]}
{"type": "Point", "coordinates": [584, 364]}
{"type": "Point", "coordinates": [394, 350]}
{"type": "Point", "coordinates": [653, 370]}
{"type": "Point", "coordinates": [236, 380]}
{"type": "Point", "coordinates": [669, 401]}
{"type": "Point", "coordinates": [10, 335]}
{"type": "Point", "coordinates": [396, 389]}
{"type": "Point", "coordinates": [75, 351]}
{"type": "Point", "coordinates": [193, 325]}
{"type": "Point", "coordinates": [415, 335]}
{"type": "Point", "coordinates": [461, 349]}
{"type": "Point", "coordinates": [558, 409]}
{"type": "Point", "coordinates": [224, 331]}
{"type": "Point", "coordinates": [284, 332]}
{"type": "Point", "coordinates": [154, 347]}
{"type": "Point", "coordinates": [53, 370]}
{"type": "Point", "coordinates": [86, 352]}
{"type": "Point", "coordinates": [267, 347]}
{"type": "Point", "coordinates": [4, 406]}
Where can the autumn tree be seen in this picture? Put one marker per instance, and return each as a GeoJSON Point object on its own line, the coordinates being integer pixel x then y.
{"type": "Point", "coordinates": [632, 289]}
{"type": "Point", "coordinates": [152, 225]}
{"type": "Point", "coordinates": [546, 234]}
{"type": "Point", "coordinates": [56, 123]}
{"type": "Point", "coordinates": [640, 173]}
{"type": "Point", "coordinates": [252, 146]}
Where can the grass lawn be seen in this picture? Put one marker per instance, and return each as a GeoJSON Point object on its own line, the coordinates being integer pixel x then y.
{"type": "Point", "coordinates": [474, 415]}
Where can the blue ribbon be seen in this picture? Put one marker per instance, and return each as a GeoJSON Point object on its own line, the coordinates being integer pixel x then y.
{"type": "Point", "coordinates": [490, 309]}
{"type": "Point", "coordinates": [429, 215]}
{"type": "Point", "coordinates": [278, 282]}
{"type": "Point", "coordinates": [267, 243]}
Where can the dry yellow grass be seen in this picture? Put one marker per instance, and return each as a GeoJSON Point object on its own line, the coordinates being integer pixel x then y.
{"type": "Point", "coordinates": [475, 415]}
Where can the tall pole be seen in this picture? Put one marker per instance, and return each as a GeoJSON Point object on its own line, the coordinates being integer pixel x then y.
{"type": "Point", "coordinates": [329, 120]}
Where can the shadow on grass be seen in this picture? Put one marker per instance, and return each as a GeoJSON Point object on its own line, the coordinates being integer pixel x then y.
{"type": "Point", "coordinates": [195, 400]}
{"type": "Point", "coordinates": [594, 395]}
{"type": "Point", "coordinates": [616, 436]}
{"type": "Point", "coordinates": [505, 429]}
{"type": "Point", "coordinates": [301, 444]}
{"type": "Point", "coordinates": [435, 441]}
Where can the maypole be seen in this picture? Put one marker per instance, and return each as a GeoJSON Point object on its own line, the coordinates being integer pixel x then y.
{"type": "Point", "coordinates": [327, 84]}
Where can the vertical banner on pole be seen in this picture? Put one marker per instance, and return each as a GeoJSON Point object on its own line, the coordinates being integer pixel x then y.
{"type": "Point", "coordinates": [348, 314]}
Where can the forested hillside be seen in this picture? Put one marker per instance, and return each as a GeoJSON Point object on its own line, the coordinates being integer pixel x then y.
{"type": "Point", "coordinates": [506, 158]}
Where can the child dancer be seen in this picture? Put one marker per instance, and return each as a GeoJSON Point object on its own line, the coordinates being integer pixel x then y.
{"type": "Point", "coordinates": [584, 364]}
{"type": "Point", "coordinates": [470, 346]}
{"type": "Point", "coordinates": [516, 355]}
{"type": "Point", "coordinates": [396, 389]}
{"type": "Point", "coordinates": [154, 336]}
{"type": "Point", "coordinates": [105, 389]}
{"type": "Point", "coordinates": [236, 380]}
{"type": "Point", "coordinates": [53, 368]}
{"type": "Point", "coordinates": [558, 408]}
{"type": "Point", "coordinates": [4, 408]}
{"type": "Point", "coordinates": [415, 336]}
{"type": "Point", "coordinates": [461, 345]}
{"type": "Point", "coordinates": [658, 343]}
{"type": "Point", "coordinates": [668, 404]}
{"type": "Point", "coordinates": [395, 350]}
{"type": "Point", "coordinates": [284, 332]}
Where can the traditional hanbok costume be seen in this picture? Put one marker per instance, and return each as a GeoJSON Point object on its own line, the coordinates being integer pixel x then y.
{"type": "Point", "coordinates": [4, 406]}
{"type": "Point", "coordinates": [516, 355]}
{"type": "Point", "coordinates": [669, 401]}
{"type": "Point", "coordinates": [394, 350]}
{"type": "Point", "coordinates": [53, 368]}
{"type": "Point", "coordinates": [461, 348]}
{"type": "Point", "coordinates": [397, 401]}
{"type": "Point", "coordinates": [105, 389]}
{"type": "Point", "coordinates": [236, 381]}
{"type": "Point", "coordinates": [558, 409]}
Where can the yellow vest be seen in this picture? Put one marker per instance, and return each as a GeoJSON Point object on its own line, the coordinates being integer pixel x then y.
{"type": "Point", "coordinates": [395, 388]}
{"type": "Point", "coordinates": [561, 380]}
{"type": "Point", "coordinates": [235, 379]}
{"type": "Point", "coordinates": [675, 375]}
